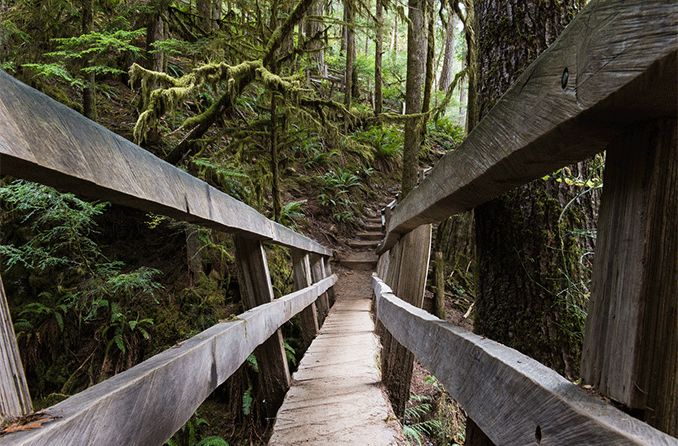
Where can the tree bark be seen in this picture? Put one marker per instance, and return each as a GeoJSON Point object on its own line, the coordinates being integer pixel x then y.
{"type": "Point", "coordinates": [532, 270]}
{"type": "Point", "coordinates": [275, 183]}
{"type": "Point", "coordinates": [430, 56]}
{"type": "Point", "coordinates": [378, 51]}
{"type": "Point", "coordinates": [448, 55]}
{"type": "Point", "coordinates": [205, 15]}
{"type": "Point", "coordinates": [350, 53]}
{"type": "Point", "coordinates": [416, 56]}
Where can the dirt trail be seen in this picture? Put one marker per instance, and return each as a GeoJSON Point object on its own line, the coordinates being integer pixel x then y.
{"type": "Point", "coordinates": [336, 397]}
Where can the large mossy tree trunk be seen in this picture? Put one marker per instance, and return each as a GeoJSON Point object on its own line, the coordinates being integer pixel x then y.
{"type": "Point", "coordinates": [532, 244]}
{"type": "Point", "coordinates": [416, 58]}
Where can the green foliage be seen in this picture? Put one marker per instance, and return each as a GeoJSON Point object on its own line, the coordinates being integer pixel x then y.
{"type": "Point", "coordinates": [65, 284]}
{"type": "Point", "coordinates": [86, 54]}
{"type": "Point", "coordinates": [387, 140]}
{"type": "Point", "coordinates": [418, 422]}
{"type": "Point", "coordinates": [291, 213]}
{"type": "Point", "coordinates": [190, 434]}
{"type": "Point", "coordinates": [445, 133]}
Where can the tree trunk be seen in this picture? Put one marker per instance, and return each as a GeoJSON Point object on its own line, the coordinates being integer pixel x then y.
{"type": "Point", "coordinates": [89, 104]}
{"type": "Point", "coordinates": [394, 37]}
{"type": "Point", "coordinates": [275, 192]}
{"type": "Point", "coordinates": [430, 56]}
{"type": "Point", "coordinates": [448, 55]}
{"type": "Point", "coordinates": [416, 56]}
{"type": "Point", "coordinates": [532, 270]}
{"type": "Point", "coordinates": [311, 30]}
{"type": "Point", "coordinates": [205, 15]}
{"type": "Point", "coordinates": [350, 53]}
{"type": "Point", "coordinates": [378, 50]}
{"type": "Point", "coordinates": [216, 14]}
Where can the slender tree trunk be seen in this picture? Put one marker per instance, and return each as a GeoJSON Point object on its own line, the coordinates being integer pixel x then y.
{"type": "Point", "coordinates": [89, 104]}
{"type": "Point", "coordinates": [430, 56]}
{"type": "Point", "coordinates": [448, 55]}
{"type": "Point", "coordinates": [311, 28]}
{"type": "Point", "coordinates": [416, 57]}
{"type": "Point", "coordinates": [350, 53]}
{"type": "Point", "coordinates": [532, 276]}
{"type": "Point", "coordinates": [205, 15]}
{"type": "Point", "coordinates": [378, 51]}
{"type": "Point", "coordinates": [394, 38]}
{"type": "Point", "coordinates": [275, 192]}
{"type": "Point", "coordinates": [216, 14]}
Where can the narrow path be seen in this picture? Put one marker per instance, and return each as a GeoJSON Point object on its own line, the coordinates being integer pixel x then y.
{"type": "Point", "coordinates": [336, 396]}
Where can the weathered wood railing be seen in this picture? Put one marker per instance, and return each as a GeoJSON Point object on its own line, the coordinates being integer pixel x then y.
{"type": "Point", "coordinates": [44, 141]}
{"type": "Point", "coordinates": [609, 82]}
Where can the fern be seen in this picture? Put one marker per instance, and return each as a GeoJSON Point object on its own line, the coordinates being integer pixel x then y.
{"type": "Point", "coordinates": [212, 441]}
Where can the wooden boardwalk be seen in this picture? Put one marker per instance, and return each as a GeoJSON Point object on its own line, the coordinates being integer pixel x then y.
{"type": "Point", "coordinates": [336, 396]}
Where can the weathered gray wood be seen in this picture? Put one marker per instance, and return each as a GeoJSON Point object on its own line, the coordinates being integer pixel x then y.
{"type": "Point", "coordinates": [407, 272]}
{"type": "Point", "coordinates": [44, 141]}
{"type": "Point", "coordinates": [631, 344]}
{"type": "Point", "coordinates": [328, 272]}
{"type": "Point", "coordinates": [146, 404]}
{"type": "Point", "coordinates": [513, 398]}
{"type": "Point", "coordinates": [318, 273]}
{"type": "Point", "coordinates": [15, 400]}
{"type": "Point", "coordinates": [621, 59]}
{"type": "Point", "coordinates": [301, 267]}
{"type": "Point", "coordinates": [256, 289]}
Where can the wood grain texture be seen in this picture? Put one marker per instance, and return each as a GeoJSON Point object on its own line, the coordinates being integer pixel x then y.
{"type": "Point", "coordinates": [146, 404]}
{"type": "Point", "coordinates": [513, 398]}
{"type": "Point", "coordinates": [45, 141]}
{"type": "Point", "coordinates": [256, 289]}
{"type": "Point", "coordinates": [407, 272]}
{"type": "Point", "coordinates": [301, 268]}
{"type": "Point", "coordinates": [318, 273]}
{"type": "Point", "coordinates": [631, 344]}
{"type": "Point", "coordinates": [15, 400]}
{"type": "Point", "coordinates": [621, 58]}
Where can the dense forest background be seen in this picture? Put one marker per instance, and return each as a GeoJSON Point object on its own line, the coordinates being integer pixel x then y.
{"type": "Point", "coordinates": [315, 113]}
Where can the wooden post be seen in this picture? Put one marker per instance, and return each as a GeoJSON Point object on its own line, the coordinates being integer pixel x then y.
{"type": "Point", "coordinates": [302, 279]}
{"type": "Point", "coordinates": [328, 272]}
{"type": "Point", "coordinates": [318, 273]}
{"type": "Point", "coordinates": [256, 289]}
{"type": "Point", "coordinates": [406, 275]}
{"type": "Point", "coordinates": [631, 343]}
{"type": "Point", "coordinates": [15, 401]}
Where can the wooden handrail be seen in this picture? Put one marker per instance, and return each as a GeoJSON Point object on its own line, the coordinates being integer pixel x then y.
{"type": "Point", "coordinates": [615, 64]}
{"type": "Point", "coordinates": [146, 404]}
{"type": "Point", "coordinates": [513, 398]}
{"type": "Point", "coordinates": [43, 140]}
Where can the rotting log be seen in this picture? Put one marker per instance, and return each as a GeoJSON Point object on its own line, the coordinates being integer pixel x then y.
{"type": "Point", "coordinates": [615, 64]}
{"type": "Point", "coordinates": [301, 267]}
{"type": "Point", "coordinates": [514, 399]}
{"type": "Point", "coordinates": [146, 404]}
{"type": "Point", "coordinates": [256, 289]}
{"type": "Point", "coordinates": [15, 400]}
{"type": "Point", "coordinates": [44, 141]}
{"type": "Point", "coordinates": [631, 344]}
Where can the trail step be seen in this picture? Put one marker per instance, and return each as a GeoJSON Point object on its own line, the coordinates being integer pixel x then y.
{"type": "Point", "coordinates": [370, 235]}
{"type": "Point", "coordinates": [373, 220]}
{"type": "Point", "coordinates": [366, 261]}
{"type": "Point", "coordinates": [372, 226]}
{"type": "Point", "coordinates": [363, 244]}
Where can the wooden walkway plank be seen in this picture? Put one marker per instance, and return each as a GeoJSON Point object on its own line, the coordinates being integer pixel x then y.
{"type": "Point", "coordinates": [514, 399]}
{"type": "Point", "coordinates": [336, 396]}
{"type": "Point", "coordinates": [148, 403]}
